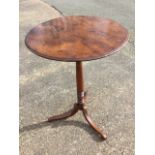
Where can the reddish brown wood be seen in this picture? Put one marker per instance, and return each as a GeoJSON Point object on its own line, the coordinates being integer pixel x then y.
{"type": "Point", "coordinates": [80, 105]}
{"type": "Point", "coordinates": [64, 115]}
{"type": "Point", "coordinates": [80, 82]}
{"type": "Point", "coordinates": [92, 124]}
{"type": "Point", "coordinates": [76, 38]}
{"type": "Point", "coordinates": [81, 98]}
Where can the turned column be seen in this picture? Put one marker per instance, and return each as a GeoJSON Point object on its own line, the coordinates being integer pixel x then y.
{"type": "Point", "coordinates": [79, 82]}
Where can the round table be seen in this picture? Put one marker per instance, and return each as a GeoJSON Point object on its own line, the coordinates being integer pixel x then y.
{"type": "Point", "coordinates": [77, 39]}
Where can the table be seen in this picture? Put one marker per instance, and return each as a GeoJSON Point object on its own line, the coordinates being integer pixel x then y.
{"type": "Point", "coordinates": [77, 39]}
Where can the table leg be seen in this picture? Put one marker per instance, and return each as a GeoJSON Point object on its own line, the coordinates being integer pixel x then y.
{"type": "Point", "coordinates": [65, 115]}
{"type": "Point", "coordinates": [81, 95]}
{"type": "Point", "coordinates": [80, 105]}
{"type": "Point", "coordinates": [92, 124]}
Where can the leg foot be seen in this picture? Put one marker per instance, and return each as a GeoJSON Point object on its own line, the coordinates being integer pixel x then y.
{"type": "Point", "coordinates": [91, 123]}
{"type": "Point", "coordinates": [64, 115]}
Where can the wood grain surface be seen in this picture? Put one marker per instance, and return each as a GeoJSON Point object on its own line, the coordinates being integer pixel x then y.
{"type": "Point", "coordinates": [76, 38]}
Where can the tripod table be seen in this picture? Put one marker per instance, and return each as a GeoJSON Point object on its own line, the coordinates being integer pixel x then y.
{"type": "Point", "coordinates": [77, 39]}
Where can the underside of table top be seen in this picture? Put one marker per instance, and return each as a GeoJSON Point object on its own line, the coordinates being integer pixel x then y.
{"type": "Point", "coordinates": [76, 38]}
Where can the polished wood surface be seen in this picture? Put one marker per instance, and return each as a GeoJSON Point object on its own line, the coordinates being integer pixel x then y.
{"type": "Point", "coordinates": [76, 38]}
{"type": "Point", "coordinates": [81, 103]}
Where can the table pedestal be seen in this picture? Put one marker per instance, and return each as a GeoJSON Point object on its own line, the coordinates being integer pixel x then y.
{"type": "Point", "coordinates": [80, 105]}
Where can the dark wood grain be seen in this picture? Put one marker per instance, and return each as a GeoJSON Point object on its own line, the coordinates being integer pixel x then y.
{"type": "Point", "coordinates": [81, 103]}
{"type": "Point", "coordinates": [76, 38]}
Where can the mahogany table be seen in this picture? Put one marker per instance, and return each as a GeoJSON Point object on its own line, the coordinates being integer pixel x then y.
{"type": "Point", "coordinates": [77, 39]}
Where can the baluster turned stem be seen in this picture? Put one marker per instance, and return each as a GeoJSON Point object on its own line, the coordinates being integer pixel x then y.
{"type": "Point", "coordinates": [79, 82]}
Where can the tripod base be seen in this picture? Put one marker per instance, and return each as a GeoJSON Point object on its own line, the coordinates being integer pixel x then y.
{"type": "Point", "coordinates": [80, 105]}
{"type": "Point", "coordinates": [74, 110]}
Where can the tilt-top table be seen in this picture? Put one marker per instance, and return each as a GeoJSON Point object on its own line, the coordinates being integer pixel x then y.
{"type": "Point", "coordinates": [77, 39]}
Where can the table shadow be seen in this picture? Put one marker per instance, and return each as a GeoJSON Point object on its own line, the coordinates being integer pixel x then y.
{"type": "Point", "coordinates": [60, 123]}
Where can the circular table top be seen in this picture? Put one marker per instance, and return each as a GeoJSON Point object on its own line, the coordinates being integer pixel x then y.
{"type": "Point", "coordinates": [76, 38]}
